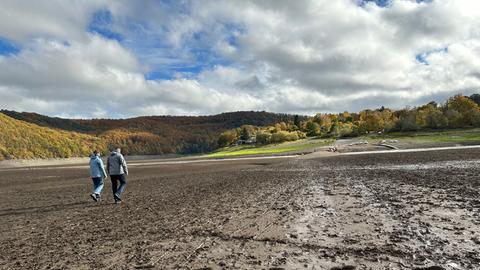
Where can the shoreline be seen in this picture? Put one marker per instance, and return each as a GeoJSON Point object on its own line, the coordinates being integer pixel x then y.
{"type": "Point", "coordinates": [144, 160]}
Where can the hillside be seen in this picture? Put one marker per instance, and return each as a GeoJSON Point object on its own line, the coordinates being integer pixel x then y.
{"type": "Point", "coordinates": [140, 135]}
{"type": "Point", "coordinates": [187, 134]}
{"type": "Point", "coordinates": [24, 140]}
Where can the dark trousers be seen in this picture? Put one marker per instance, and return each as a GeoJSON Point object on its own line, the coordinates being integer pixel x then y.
{"type": "Point", "coordinates": [123, 184]}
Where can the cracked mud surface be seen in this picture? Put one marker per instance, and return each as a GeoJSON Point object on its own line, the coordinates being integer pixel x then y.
{"type": "Point", "coordinates": [390, 211]}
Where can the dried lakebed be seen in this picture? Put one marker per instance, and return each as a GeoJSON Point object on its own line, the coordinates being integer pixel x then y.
{"type": "Point", "coordinates": [390, 211]}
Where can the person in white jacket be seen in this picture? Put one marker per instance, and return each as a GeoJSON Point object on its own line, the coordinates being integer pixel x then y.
{"type": "Point", "coordinates": [98, 174]}
{"type": "Point", "coordinates": [117, 169]}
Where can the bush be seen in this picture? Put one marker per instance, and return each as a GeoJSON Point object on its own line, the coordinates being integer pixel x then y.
{"type": "Point", "coordinates": [284, 136]}
{"type": "Point", "coordinates": [301, 135]}
{"type": "Point", "coordinates": [345, 130]}
{"type": "Point", "coordinates": [263, 137]}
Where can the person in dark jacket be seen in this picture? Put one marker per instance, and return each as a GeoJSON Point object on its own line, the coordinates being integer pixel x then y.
{"type": "Point", "coordinates": [117, 169]}
{"type": "Point", "coordinates": [98, 174]}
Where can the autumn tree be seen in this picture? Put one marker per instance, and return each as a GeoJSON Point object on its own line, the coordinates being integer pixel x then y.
{"type": "Point", "coordinates": [345, 117]}
{"type": "Point", "coordinates": [247, 131]}
{"type": "Point", "coordinates": [324, 121]}
{"type": "Point", "coordinates": [465, 106]}
{"type": "Point", "coordinates": [227, 138]}
{"type": "Point", "coordinates": [372, 120]}
{"type": "Point", "coordinates": [263, 137]}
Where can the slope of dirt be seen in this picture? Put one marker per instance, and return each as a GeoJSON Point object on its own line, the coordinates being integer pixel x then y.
{"type": "Point", "coordinates": [390, 211]}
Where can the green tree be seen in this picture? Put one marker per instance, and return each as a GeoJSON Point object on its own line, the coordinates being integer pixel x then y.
{"type": "Point", "coordinates": [296, 120]}
{"type": "Point", "coordinates": [313, 129]}
{"type": "Point", "coordinates": [407, 120]}
{"type": "Point", "coordinates": [455, 118]}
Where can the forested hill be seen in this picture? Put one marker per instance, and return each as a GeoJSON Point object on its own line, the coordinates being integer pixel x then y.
{"type": "Point", "coordinates": [20, 139]}
{"type": "Point", "coordinates": [151, 123]}
{"type": "Point", "coordinates": [140, 135]}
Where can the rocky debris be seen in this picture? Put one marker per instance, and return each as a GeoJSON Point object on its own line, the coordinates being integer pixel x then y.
{"type": "Point", "coordinates": [388, 141]}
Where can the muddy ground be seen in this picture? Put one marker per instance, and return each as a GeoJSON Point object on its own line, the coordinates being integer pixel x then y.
{"type": "Point", "coordinates": [376, 211]}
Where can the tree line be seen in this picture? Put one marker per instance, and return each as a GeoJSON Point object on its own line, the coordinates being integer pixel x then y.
{"type": "Point", "coordinates": [457, 112]}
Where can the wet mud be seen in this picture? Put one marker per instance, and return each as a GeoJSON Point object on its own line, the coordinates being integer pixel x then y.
{"type": "Point", "coordinates": [390, 211]}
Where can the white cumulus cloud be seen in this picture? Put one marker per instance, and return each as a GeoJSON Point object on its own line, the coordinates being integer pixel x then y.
{"type": "Point", "coordinates": [302, 56]}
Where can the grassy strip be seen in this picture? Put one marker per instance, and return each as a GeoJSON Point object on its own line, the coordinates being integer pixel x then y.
{"type": "Point", "coordinates": [244, 150]}
{"type": "Point", "coordinates": [451, 135]}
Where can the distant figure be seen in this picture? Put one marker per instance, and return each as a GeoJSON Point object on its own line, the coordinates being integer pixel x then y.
{"type": "Point", "coordinates": [98, 174]}
{"type": "Point", "coordinates": [117, 169]}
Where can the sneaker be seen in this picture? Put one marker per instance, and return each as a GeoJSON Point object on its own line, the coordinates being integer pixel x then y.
{"type": "Point", "coordinates": [117, 198]}
{"type": "Point", "coordinates": [98, 197]}
{"type": "Point", "coordinates": [94, 197]}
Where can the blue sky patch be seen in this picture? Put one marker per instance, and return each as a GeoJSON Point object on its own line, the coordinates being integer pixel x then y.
{"type": "Point", "coordinates": [101, 24]}
{"type": "Point", "coordinates": [386, 3]}
{"type": "Point", "coordinates": [233, 31]}
{"type": "Point", "coordinates": [7, 47]}
{"type": "Point", "coordinates": [380, 3]}
{"type": "Point", "coordinates": [422, 57]}
{"type": "Point", "coordinates": [169, 74]}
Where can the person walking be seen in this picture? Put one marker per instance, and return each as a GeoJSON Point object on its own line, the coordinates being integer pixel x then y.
{"type": "Point", "coordinates": [98, 174]}
{"type": "Point", "coordinates": [117, 169]}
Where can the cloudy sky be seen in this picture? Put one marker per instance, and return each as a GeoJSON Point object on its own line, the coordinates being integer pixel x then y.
{"type": "Point", "coordinates": [125, 58]}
